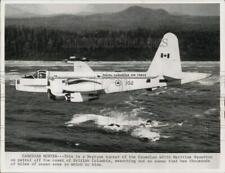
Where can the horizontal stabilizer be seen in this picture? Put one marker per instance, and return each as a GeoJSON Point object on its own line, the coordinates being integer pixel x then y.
{"type": "Point", "coordinates": [171, 81]}
{"type": "Point", "coordinates": [191, 77]}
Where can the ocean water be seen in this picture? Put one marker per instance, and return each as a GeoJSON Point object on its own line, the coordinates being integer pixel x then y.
{"type": "Point", "coordinates": [184, 119]}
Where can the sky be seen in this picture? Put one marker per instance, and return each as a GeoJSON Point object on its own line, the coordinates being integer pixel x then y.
{"type": "Point", "coordinates": [53, 9]}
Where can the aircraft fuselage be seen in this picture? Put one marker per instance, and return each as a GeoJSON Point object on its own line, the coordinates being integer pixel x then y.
{"type": "Point", "coordinates": [99, 80]}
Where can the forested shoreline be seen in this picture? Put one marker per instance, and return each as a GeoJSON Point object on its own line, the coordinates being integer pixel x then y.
{"type": "Point", "coordinates": [24, 43]}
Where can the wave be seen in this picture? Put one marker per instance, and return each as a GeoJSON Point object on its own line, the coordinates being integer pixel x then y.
{"type": "Point", "coordinates": [114, 121]}
{"type": "Point", "coordinates": [211, 111]}
{"type": "Point", "coordinates": [145, 134]}
{"type": "Point", "coordinates": [104, 120]}
{"type": "Point", "coordinates": [13, 70]}
{"type": "Point", "coordinates": [210, 81]}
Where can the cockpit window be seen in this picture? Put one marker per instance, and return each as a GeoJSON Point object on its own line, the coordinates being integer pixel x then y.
{"type": "Point", "coordinates": [37, 75]}
{"type": "Point", "coordinates": [41, 74]}
{"type": "Point", "coordinates": [29, 77]}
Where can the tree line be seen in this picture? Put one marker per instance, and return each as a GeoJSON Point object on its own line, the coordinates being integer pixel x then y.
{"type": "Point", "coordinates": [24, 43]}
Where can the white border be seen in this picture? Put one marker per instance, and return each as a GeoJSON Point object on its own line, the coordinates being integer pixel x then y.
{"type": "Point", "coordinates": [222, 84]}
{"type": "Point", "coordinates": [2, 81]}
{"type": "Point", "coordinates": [111, 1]}
{"type": "Point", "coordinates": [222, 72]}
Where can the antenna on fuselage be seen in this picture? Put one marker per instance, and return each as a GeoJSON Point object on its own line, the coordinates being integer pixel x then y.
{"type": "Point", "coordinates": [74, 59]}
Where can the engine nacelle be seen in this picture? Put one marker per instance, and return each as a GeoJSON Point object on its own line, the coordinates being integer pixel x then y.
{"type": "Point", "coordinates": [54, 97]}
{"type": "Point", "coordinates": [60, 89]}
{"type": "Point", "coordinates": [74, 97]}
{"type": "Point", "coordinates": [55, 89]}
{"type": "Point", "coordinates": [82, 85]}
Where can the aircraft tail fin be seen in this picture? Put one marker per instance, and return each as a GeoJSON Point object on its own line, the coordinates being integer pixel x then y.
{"type": "Point", "coordinates": [166, 61]}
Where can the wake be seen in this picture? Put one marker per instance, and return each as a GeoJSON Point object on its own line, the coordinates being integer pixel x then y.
{"type": "Point", "coordinates": [144, 129]}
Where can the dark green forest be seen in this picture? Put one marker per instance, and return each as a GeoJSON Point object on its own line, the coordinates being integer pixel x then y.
{"type": "Point", "coordinates": [40, 43]}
